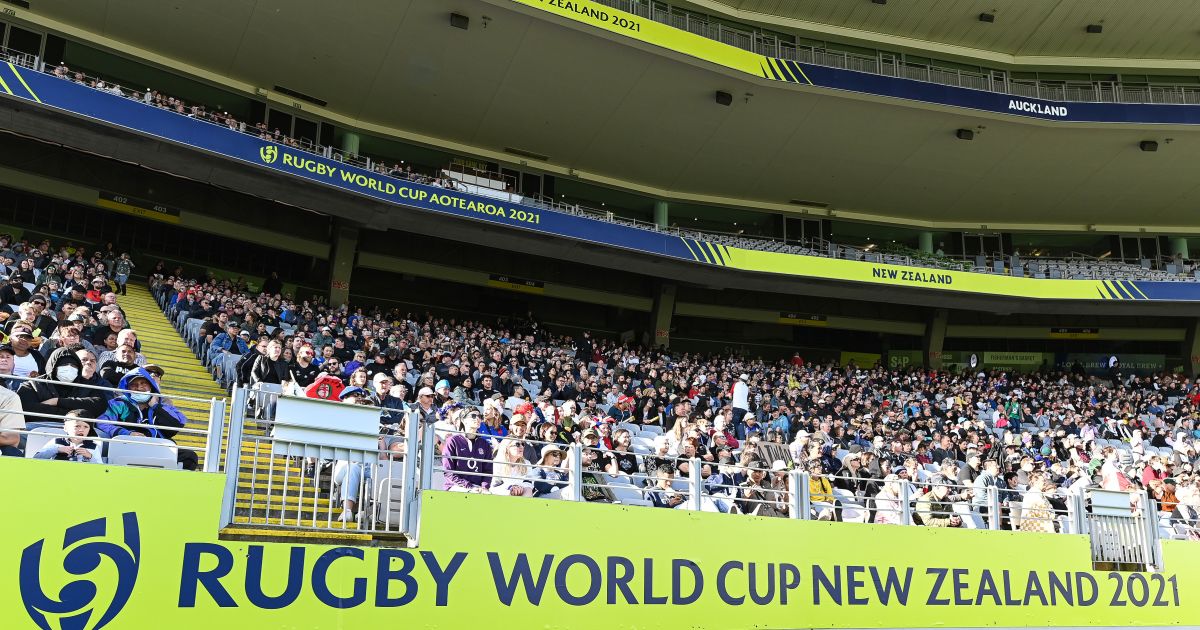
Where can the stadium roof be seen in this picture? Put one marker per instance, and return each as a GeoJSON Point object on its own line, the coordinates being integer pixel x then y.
{"type": "Point", "coordinates": [637, 117]}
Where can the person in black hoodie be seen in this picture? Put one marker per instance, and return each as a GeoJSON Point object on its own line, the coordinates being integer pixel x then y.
{"type": "Point", "coordinates": [52, 393]}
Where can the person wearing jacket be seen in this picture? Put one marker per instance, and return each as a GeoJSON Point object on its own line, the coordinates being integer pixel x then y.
{"type": "Point", "coordinates": [75, 445]}
{"type": "Point", "coordinates": [269, 367]}
{"type": "Point", "coordinates": [467, 456]}
{"type": "Point", "coordinates": [52, 393]}
{"type": "Point", "coordinates": [143, 406]}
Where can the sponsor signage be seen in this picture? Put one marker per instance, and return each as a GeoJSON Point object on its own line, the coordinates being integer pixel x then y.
{"type": "Point", "coordinates": [120, 559]}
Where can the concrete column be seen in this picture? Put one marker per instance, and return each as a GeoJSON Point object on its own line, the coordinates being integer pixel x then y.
{"type": "Point", "coordinates": [662, 313]}
{"type": "Point", "coordinates": [1191, 349]}
{"type": "Point", "coordinates": [350, 143]}
{"type": "Point", "coordinates": [925, 240]}
{"type": "Point", "coordinates": [1179, 246]}
{"type": "Point", "coordinates": [341, 262]}
{"type": "Point", "coordinates": [660, 214]}
{"type": "Point", "coordinates": [935, 338]}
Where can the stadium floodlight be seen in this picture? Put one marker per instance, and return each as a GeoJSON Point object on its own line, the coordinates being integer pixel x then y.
{"type": "Point", "coordinates": [964, 134]}
{"type": "Point", "coordinates": [724, 98]}
{"type": "Point", "coordinates": [1094, 28]}
{"type": "Point", "coordinates": [1148, 145]}
{"type": "Point", "coordinates": [987, 17]}
{"type": "Point", "coordinates": [458, 20]}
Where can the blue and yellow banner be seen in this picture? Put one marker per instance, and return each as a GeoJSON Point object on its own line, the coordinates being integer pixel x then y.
{"type": "Point", "coordinates": [806, 74]}
{"type": "Point", "coordinates": [98, 546]}
{"type": "Point", "coordinates": [49, 91]}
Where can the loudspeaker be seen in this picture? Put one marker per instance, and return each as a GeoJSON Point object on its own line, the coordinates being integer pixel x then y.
{"type": "Point", "coordinates": [724, 98]}
{"type": "Point", "coordinates": [964, 134]}
{"type": "Point", "coordinates": [1148, 145]}
{"type": "Point", "coordinates": [458, 20]}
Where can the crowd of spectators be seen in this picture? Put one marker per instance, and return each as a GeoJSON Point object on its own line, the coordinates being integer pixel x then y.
{"type": "Point", "coordinates": [866, 435]}
{"type": "Point", "coordinates": [65, 345]}
{"type": "Point", "coordinates": [1175, 269]}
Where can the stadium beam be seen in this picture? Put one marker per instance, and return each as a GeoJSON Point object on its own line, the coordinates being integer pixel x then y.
{"type": "Point", "coordinates": [663, 312]}
{"type": "Point", "coordinates": [935, 338]}
{"type": "Point", "coordinates": [341, 261]}
{"type": "Point", "coordinates": [350, 142]}
{"type": "Point", "coordinates": [1191, 349]}
{"type": "Point", "coordinates": [925, 240]}
{"type": "Point", "coordinates": [661, 209]}
{"type": "Point", "coordinates": [1179, 247]}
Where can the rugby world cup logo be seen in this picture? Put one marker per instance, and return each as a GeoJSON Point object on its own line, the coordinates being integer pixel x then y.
{"type": "Point", "coordinates": [78, 604]}
{"type": "Point", "coordinates": [269, 154]}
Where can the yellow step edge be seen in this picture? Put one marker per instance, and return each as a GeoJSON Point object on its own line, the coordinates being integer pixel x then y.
{"type": "Point", "coordinates": [290, 533]}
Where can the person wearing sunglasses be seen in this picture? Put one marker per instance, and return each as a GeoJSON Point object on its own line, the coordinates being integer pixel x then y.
{"type": "Point", "coordinates": [467, 455]}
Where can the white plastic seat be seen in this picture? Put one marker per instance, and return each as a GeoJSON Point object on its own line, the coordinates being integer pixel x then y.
{"type": "Point", "coordinates": [638, 502]}
{"type": "Point", "coordinates": [38, 438]}
{"type": "Point", "coordinates": [389, 493]}
{"type": "Point", "coordinates": [143, 452]}
{"type": "Point", "coordinates": [625, 493]}
{"type": "Point", "coordinates": [653, 428]}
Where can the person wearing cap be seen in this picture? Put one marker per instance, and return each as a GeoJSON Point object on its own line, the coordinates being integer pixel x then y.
{"type": "Point", "coordinates": [66, 334]}
{"type": "Point", "coordinates": [27, 361]}
{"type": "Point", "coordinates": [739, 401]}
{"type": "Point", "coordinates": [1165, 496]}
{"type": "Point", "coordinates": [14, 292]}
{"type": "Point", "coordinates": [756, 497]}
{"type": "Point", "coordinates": [225, 346]}
{"type": "Point", "coordinates": [142, 411]}
{"type": "Point", "coordinates": [936, 507]}
{"type": "Point", "coordinates": [467, 456]}
{"type": "Point", "coordinates": [75, 445]}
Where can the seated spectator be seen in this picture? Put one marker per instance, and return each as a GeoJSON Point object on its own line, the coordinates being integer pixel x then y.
{"type": "Point", "coordinates": [467, 456]}
{"type": "Point", "coordinates": [90, 374]}
{"type": "Point", "coordinates": [511, 470]}
{"type": "Point", "coordinates": [124, 362]}
{"type": "Point", "coordinates": [53, 393]}
{"type": "Point", "coordinates": [26, 362]}
{"type": "Point", "coordinates": [662, 494]}
{"type": "Point", "coordinates": [549, 473]}
{"type": "Point", "coordinates": [127, 337]}
{"type": "Point", "coordinates": [820, 492]}
{"type": "Point", "coordinates": [270, 367]}
{"type": "Point", "coordinates": [144, 413]}
{"type": "Point", "coordinates": [75, 445]}
{"type": "Point", "coordinates": [66, 334]}
{"type": "Point", "coordinates": [889, 506]}
{"type": "Point", "coordinates": [12, 417]}
{"type": "Point", "coordinates": [936, 507]}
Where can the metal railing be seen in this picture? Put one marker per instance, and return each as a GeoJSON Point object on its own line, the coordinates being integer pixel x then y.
{"type": "Point", "coordinates": [805, 247]}
{"type": "Point", "coordinates": [886, 65]}
{"type": "Point", "coordinates": [48, 426]}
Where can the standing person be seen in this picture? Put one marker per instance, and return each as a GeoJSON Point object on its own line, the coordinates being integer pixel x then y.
{"type": "Point", "coordinates": [740, 394]}
{"type": "Point", "coordinates": [122, 268]}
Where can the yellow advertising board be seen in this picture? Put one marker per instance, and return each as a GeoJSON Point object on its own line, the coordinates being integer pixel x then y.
{"type": "Point", "coordinates": [97, 546]}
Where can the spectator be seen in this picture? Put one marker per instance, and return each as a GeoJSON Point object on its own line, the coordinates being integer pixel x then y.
{"type": "Point", "coordinates": [549, 474]}
{"type": "Point", "coordinates": [662, 494]}
{"type": "Point", "coordinates": [12, 418]}
{"type": "Point", "coordinates": [270, 367]}
{"type": "Point", "coordinates": [466, 456]}
{"type": "Point", "coordinates": [75, 446]}
{"type": "Point", "coordinates": [54, 393]}
{"type": "Point", "coordinates": [143, 412]}
{"type": "Point", "coordinates": [936, 507]}
{"type": "Point", "coordinates": [121, 270]}
{"type": "Point", "coordinates": [123, 362]}
{"type": "Point", "coordinates": [26, 362]}
{"type": "Point", "coordinates": [511, 470]}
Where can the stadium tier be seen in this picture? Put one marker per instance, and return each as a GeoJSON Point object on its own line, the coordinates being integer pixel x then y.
{"type": "Point", "coordinates": [599, 314]}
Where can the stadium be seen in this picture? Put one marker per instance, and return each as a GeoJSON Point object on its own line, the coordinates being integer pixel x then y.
{"type": "Point", "coordinates": [600, 314]}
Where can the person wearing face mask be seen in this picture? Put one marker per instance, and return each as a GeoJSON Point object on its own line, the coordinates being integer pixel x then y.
{"type": "Point", "coordinates": [143, 412]}
{"type": "Point", "coordinates": [53, 392]}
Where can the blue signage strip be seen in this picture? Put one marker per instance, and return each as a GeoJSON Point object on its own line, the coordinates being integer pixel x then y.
{"type": "Point", "coordinates": [924, 91]}
{"type": "Point", "coordinates": [134, 115]}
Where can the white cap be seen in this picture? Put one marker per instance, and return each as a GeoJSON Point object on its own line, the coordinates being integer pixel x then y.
{"type": "Point", "coordinates": [744, 377]}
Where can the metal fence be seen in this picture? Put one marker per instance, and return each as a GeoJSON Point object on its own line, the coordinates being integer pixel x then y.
{"type": "Point", "coordinates": [146, 450]}
{"type": "Point", "coordinates": [886, 64]}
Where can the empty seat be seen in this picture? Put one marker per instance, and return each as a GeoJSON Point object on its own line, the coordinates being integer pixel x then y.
{"type": "Point", "coordinates": [144, 452]}
{"type": "Point", "coordinates": [40, 437]}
